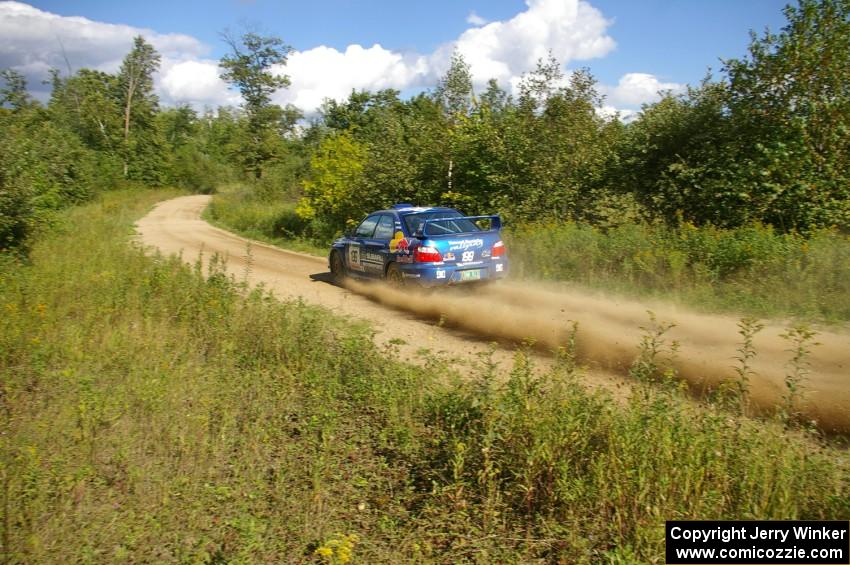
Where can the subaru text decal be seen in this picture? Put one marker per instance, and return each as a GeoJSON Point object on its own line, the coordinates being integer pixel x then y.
{"type": "Point", "coordinates": [460, 245]}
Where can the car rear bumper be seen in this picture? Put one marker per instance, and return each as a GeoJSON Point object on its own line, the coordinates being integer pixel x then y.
{"type": "Point", "coordinates": [436, 274]}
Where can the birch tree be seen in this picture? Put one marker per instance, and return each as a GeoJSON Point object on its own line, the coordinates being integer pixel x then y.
{"type": "Point", "coordinates": [136, 81]}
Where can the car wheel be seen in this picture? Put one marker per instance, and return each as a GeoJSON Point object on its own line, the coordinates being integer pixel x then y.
{"type": "Point", "coordinates": [337, 269]}
{"type": "Point", "coordinates": [394, 277]}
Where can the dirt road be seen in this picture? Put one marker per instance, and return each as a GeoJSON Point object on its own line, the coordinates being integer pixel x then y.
{"type": "Point", "coordinates": [609, 329]}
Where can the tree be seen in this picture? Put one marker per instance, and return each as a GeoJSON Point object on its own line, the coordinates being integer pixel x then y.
{"type": "Point", "coordinates": [43, 167]}
{"type": "Point", "coordinates": [556, 145]}
{"type": "Point", "coordinates": [790, 98]}
{"type": "Point", "coordinates": [681, 160]}
{"type": "Point", "coordinates": [537, 86]}
{"type": "Point", "coordinates": [89, 105]}
{"type": "Point", "coordinates": [454, 93]}
{"type": "Point", "coordinates": [454, 90]}
{"type": "Point", "coordinates": [15, 92]}
{"type": "Point", "coordinates": [770, 144]}
{"type": "Point", "coordinates": [359, 110]}
{"type": "Point", "coordinates": [249, 67]}
{"type": "Point", "coordinates": [494, 99]}
{"type": "Point", "coordinates": [331, 192]}
{"type": "Point", "coordinates": [136, 82]}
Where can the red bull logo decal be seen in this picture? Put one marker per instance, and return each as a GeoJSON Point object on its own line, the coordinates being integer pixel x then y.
{"type": "Point", "coordinates": [399, 244]}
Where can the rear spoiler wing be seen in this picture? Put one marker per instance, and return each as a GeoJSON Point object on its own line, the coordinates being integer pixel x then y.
{"type": "Point", "coordinates": [495, 223]}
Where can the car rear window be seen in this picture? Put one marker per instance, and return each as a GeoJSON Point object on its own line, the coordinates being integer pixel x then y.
{"type": "Point", "coordinates": [454, 222]}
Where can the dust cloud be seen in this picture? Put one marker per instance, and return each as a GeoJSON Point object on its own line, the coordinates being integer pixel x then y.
{"type": "Point", "coordinates": [610, 329]}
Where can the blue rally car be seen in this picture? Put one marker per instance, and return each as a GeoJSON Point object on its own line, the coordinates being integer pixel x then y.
{"type": "Point", "coordinates": [426, 246]}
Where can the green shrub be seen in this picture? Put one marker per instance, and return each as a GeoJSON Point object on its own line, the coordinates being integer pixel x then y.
{"type": "Point", "coordinates": [751, 269]}
{"type": "Point", "coordinates": [43, 168]}
{"type": "Point", "coordinates": [198, 172]}
{"type": "Point", "coordinates": [273, 220]}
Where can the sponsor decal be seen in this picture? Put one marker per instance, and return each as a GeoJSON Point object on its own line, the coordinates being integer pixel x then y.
{"type": "Point", "coordinates": [449, 256]}
{"type": "Point", "coordinates": [441, 274]}
{"type": "Point", "coordinates": [399, 243]}
{"type": "Point", "coordinates": [464, 244]}
{"type": "Point", "coordinates": [485, 253]}
{"type": "Point", "coordinates": [372, 257]}
{"type": "Point", "coordinates": [499, 267]}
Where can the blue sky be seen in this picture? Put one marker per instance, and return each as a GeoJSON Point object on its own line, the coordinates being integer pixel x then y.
{"type": "Point", "coordinates": [632, 48]}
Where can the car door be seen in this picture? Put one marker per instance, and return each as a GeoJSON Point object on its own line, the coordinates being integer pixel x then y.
{"type": "Point", "coordinates": [377, 248]}
{"type": "Point", "coordinates": [355, 248]}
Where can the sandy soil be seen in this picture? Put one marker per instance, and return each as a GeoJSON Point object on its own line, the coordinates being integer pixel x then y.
{"type": "Point", "coordinates": [460, 323]}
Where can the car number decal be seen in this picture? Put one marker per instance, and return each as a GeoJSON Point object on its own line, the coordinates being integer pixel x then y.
{"type": "Point", "coordinates": [354, 256]}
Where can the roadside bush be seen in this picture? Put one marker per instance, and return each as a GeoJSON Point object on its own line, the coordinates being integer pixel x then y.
{"type": "Point", "coordinates": [751, 269]}
{"type": "Point", "coordinates": [198, 172]}
{"type": "Point", "coordinates": [282, 179]}
{"type": "Point", "coordinates": [43, 168]}
{"type": "Point", "coordinates": [273, 220]}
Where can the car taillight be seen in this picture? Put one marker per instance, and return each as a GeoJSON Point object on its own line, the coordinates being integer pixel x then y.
{"type": "Point", "coordinates": [498, 249]}
{"type": "Point", "coordinates": [427, 254]}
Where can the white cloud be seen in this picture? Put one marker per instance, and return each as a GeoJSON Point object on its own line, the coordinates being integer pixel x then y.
{"type": "Point", "coordinates": [569, 29]}
{"type": "Point", "coordinates": [324, 72]}
{"type": "Point", "coordinates": [635, 89]}
{"type": "Point", "coordinates": [475, 19]}
{"type": "Point", "coordinates": [195, 82]}
{"type": "Point", "coordinates": [625, 115]}
{"type": "Point", "coordinates": [32, 40]}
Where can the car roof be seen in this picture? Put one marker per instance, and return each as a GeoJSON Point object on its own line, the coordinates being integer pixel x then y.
{"type": "Point", "coordinates": [404, 211]}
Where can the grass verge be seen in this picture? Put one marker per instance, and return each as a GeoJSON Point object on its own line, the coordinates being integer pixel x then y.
{"type": "Point", "coordinates": [750, 270]}
{"type": "Point", "coordinates": [267, 220]}
{"type": "Point", "coordinates": [154, 412]}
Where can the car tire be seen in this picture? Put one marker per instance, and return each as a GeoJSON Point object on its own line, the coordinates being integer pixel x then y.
{"type": "Point", "coordinates": [393, 276]}
{"type": "Point", "coordinates": [337, 268]}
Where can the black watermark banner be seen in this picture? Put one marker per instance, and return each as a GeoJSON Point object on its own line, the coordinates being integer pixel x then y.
{"type": "Point", "coordinates": [695, 542]}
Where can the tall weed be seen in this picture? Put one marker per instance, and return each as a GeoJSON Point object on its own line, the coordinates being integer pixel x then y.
{"type": "Point", "coordinates": [751, 269]}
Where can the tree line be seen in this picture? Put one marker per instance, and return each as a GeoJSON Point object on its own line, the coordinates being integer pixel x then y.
{"type": "Point", "coordinates": [766, 141]}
